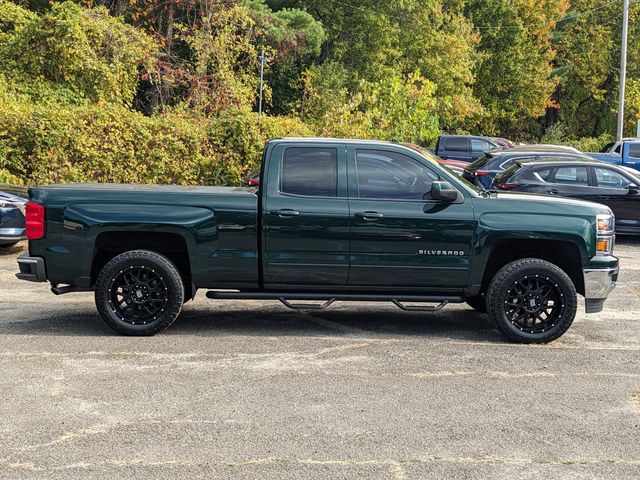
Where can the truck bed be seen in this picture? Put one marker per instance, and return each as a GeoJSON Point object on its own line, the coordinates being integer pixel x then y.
{"type": "Point", "coordinates": [218, 225]}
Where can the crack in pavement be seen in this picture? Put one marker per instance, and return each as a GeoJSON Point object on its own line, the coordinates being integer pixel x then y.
{"type": "Point", "coordinates": [394, 465]}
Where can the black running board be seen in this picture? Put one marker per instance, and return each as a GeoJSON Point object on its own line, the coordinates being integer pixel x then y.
{"type": "Point", "coordinates": [328, 298]}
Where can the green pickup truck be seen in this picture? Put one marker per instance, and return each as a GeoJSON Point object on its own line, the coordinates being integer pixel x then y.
{"type": "Point", "coordinates": [346, 220]}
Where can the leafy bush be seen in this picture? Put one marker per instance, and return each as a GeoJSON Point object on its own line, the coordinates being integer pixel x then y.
{"type": "Point", "coordinates": [80, 143]}
{"type": "Point", "coordinates": [7, 178]}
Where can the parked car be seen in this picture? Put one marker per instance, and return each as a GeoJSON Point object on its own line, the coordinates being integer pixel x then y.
{"type": "Point", "coordinates": [482, 171]}
{"type": "Point", "coordinates": [466, 148]}
{"type": "Point", "coordinates": [625, 153]}
{"type": "Point", "coordinates": [601, 182]}
{"type": "Point", "coordinates": [12, 224]}
{"type": "Point", "coordinates": [333, 220]}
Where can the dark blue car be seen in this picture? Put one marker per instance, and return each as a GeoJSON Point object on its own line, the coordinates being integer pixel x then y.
{"type": "Point", "coordinates": [12, 202]}
{"type": "Point", "coordinates": [482, 171]}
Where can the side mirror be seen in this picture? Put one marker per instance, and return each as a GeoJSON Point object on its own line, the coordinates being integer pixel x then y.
{"type": "Point", "coordinates": [633, 189]}
{"type": "Point", "coordinates": [443, 191]}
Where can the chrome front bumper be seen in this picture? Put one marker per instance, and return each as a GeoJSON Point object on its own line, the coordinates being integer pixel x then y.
{"type": "Point", "coordinates": [598, 284]}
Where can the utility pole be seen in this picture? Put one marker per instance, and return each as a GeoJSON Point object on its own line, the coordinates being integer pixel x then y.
{"type": "Point", "coordinates": [623, 68]}
{"type": "Point", "coordinates": [263, 59]}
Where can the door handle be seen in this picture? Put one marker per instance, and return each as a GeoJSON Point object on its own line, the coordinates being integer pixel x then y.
{"type": "Point", "coordinates": [286, 212]}
{"type": "Point", "coordinates": [369, 215]}
{"type": "Point", "coordinates": [553, 191]}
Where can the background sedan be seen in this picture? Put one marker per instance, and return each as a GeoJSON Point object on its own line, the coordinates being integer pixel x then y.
{"type": "Point", "coordinates": [601, 182]}
{"type": "Point", "coordinates": [12, 202]}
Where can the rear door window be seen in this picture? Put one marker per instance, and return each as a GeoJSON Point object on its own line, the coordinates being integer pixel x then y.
{"type": "Point", "coordinates": [571, 176]}
{"type": "Point", "coordinates": [310, 171]}
{"type": "Point", "coordinates": [456, 144]}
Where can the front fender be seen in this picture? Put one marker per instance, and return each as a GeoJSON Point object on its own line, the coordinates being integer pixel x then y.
{"type": "Point", "coordinates": [493, 229]}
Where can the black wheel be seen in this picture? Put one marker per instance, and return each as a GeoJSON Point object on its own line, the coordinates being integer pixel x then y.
{"type": "Point", "coordinates": [477, 303]}
{"type": "Point", "coordinates": [532, 301]}
{"type": "Point", "coordinates": [139, 293]}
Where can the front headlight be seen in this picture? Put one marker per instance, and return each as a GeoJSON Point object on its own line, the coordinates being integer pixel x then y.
{"type": "Point", "coordinates": [605, 235]}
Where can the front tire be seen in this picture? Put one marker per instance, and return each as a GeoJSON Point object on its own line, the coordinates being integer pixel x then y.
{"type": "Point", "coordinates": [532, 301]}
{"type": "Point", "coordinates": [139, 292]}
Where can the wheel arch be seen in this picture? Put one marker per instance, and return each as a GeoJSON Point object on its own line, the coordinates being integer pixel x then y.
{"type": "Point", "coordinates": [169, 244]}
{"type": "Point", "coordinates": [564, 254]}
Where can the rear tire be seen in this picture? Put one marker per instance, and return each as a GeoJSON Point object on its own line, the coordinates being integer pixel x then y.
{"type": "Point", "coordinates": [139, 293]}
{"type": "Point", "coordinates": [532, 301]}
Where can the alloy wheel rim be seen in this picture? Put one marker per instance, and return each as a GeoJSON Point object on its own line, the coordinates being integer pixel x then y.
{"type": "Point", "coordinates": [534, 303]}
{"type": "Point", "coordinates": [138, 295]}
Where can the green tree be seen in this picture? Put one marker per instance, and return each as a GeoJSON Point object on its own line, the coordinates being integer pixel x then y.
{"type": "Point", "coordinates": [588, 62]}
{"type": "Point", "coordinates": [81, 53]}
{"type": "Point", "coordinates": [514, 80]}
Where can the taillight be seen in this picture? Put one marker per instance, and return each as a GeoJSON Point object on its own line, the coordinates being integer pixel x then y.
{"type": "Point", "coordinates": [34, 216]}
{"type": "Point", "coordinates": [507, 186]}
{"type": "Point", "coordinates": [480, 173]}
{"type": "Point", "coordinates": [253, 182]}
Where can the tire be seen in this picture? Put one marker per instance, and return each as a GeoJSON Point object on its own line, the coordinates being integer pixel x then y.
{"type": "Point", "coordinates": [532, 301]}
{"type": "Point", "coordinates": [478, 303]}
{"type": "Point", "coordinates": [139, 293]}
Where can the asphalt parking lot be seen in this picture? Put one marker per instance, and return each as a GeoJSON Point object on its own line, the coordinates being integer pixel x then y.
{"type": "Point", "coordinates": [253, 390]}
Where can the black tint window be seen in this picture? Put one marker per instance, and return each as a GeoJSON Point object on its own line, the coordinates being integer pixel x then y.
{"type": "Point", "coordinates": [456, 144]}
{"type": "Point", "coordinates": [310, 171]}
{"type": "Point", "coordinates": [392, 175]}
{"type": "Point", "coordinates": [634, 150]}
{"type": "Point", "coordinates": [572, 175]}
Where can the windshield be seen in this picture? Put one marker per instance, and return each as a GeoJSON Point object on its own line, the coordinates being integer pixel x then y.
{"type": "Point", "coordinates": [428, 155]}
{"type": "Point", "coordinates": [471, 188]}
